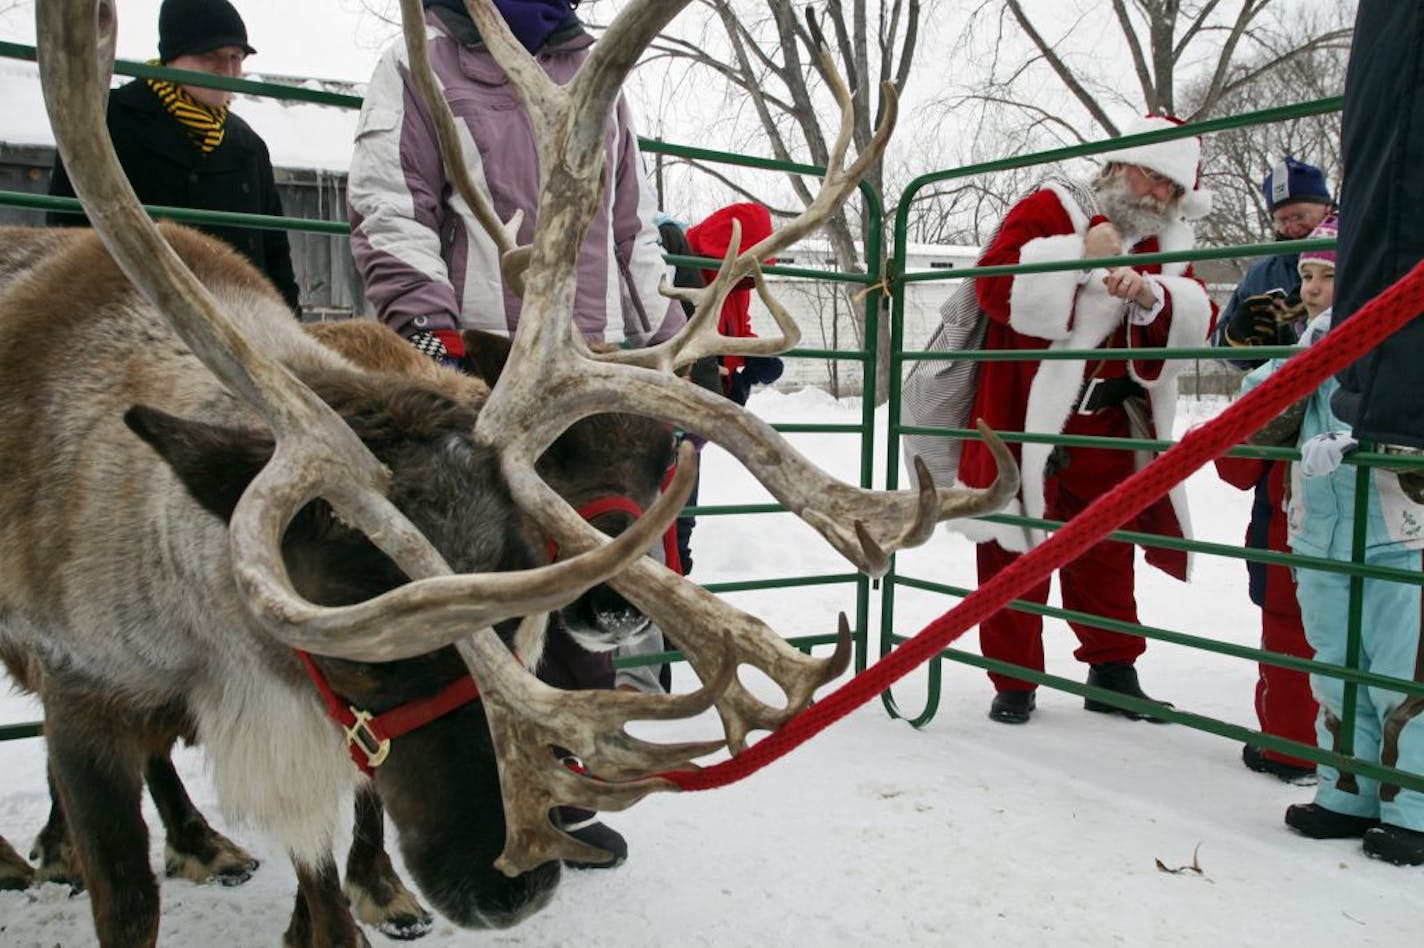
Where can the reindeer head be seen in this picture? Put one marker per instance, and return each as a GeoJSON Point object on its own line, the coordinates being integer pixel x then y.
{"type": "Point", "coordinates": [555, 381]}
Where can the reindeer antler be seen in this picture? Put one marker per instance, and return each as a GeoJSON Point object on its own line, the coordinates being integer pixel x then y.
{"type": "Point", "coordinates": [552, 380]}
{"type": "Point", "coordinates": [316, 453]}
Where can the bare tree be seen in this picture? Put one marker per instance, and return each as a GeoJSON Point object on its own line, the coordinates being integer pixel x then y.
{"type": "Point", "coordinates": [754, 51]}
{"type": "Point", "coordinates": [1238, 159]}
{"type": "Point", "coordinates": [1068, 73]}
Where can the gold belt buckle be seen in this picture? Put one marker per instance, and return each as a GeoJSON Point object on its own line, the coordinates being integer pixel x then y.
{"type": "Point", "coordinates": [1088, 391]}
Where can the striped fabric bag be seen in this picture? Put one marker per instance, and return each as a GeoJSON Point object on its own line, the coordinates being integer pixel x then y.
{"type": "Point", "coordinates": [941, 393]}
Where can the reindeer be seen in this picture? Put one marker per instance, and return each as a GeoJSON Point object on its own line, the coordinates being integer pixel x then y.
{"type": "Point", "coordinates": [280, 513]}
{"type": "Point", "coordinates": [600, 456]}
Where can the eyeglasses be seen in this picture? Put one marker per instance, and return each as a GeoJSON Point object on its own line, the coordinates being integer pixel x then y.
{"type": "Point", "coordinates": [1157, 180]}
{"type": "Point", "coordinates": [1305, 217]}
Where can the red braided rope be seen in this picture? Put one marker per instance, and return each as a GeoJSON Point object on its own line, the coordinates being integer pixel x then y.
{"type": "Point", "coordinates": [1296, 379]}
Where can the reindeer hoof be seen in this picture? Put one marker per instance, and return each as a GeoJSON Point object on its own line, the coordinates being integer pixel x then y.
{"type": "Point", "coordinates": [57, 862]}
{"type": "Point", "coordinates": [218, 860]}
{"type": "Point", "coordinates": [389, 907]}
{"type": "Point", "coordinates": [407, 927]}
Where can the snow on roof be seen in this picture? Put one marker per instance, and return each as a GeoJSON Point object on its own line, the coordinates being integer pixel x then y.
{"type": "Point", "coordinates": [298, 134]}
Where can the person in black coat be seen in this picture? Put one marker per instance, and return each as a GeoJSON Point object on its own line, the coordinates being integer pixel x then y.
{"type": "Point", "coordinates": [181, 147]}
{"type": "Point", "coordinates": [1382, 232]}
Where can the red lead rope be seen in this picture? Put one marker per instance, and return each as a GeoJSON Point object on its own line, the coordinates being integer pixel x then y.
{"type": "Point", "coordinates": [1345, 344]}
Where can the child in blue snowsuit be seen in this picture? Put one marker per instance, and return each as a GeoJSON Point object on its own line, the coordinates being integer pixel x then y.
{"type": "Point", "coordinates": [1320, 518]}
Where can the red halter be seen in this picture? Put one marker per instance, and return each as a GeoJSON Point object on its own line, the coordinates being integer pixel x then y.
{"type": "Point", "coordinates": [369, 736]}
{"type": "Point", "coordinates": [615, 502]}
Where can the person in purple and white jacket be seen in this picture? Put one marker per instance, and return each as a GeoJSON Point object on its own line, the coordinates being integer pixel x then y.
{"type": "Point", "coordinates": [427, 265]}
{"type": "Point", "coordinates": [431, 270]}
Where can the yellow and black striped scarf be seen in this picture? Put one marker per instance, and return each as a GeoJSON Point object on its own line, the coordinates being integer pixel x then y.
{"type": "Point", "coordinates": [206, 125]}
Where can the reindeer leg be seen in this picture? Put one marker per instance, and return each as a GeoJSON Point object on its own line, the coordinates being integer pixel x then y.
{"type": "Point", "coordinates": [377, 895]}
{"type": "Point", "coordinates": [99, 776]}
{"type": "Point", "coordinates": [194, 850]}
{"type": "Point", "coordinates": [15, 873]}
{"type": "Point", "coordinates": [54, 856]}
{"type": "Point", "coordinates": [321, 917]}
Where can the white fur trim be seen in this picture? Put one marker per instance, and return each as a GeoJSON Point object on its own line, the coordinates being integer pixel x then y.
{"type": "Point", "coordinates": [1040, 304]}
{"type": "Point", "coordinates": [1076, 217]}
{"type": "Point", "coordinates": [1012, 538]}
{"type": "Point", "coordinates": [1177, 235]}
{"type": "Point", "coordinates": [1178, 159]}
{"type": "Point", "coordinates": [1191, 320]}
{"type": "Point", "coordinates": [1196, 204]}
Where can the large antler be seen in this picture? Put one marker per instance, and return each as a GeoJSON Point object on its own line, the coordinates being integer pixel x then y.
{"type": "Point", "coordinates": [555, 383]}
{"type": "Point", "coordinates": [552, 380]}
{"type": "Point", "coordinates": [316, 453]}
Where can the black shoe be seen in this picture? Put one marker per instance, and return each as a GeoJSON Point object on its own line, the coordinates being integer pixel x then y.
{"type": "Point", "coordinates": [1255, 760]}
{"type": "Point", "coordinates": [583, 825]}
{"type": "Point", "coordinates": [1317, 822]}
{"type": "Point", "coordinates": [1013, 707]}
{"type": "Point", "coordinates": [1122, 678]}
{"type": "Point", "coordinates": [1403, 847]}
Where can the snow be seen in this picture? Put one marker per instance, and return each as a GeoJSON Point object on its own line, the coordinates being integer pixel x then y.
{"type": "Point", "coordinates": [966, 832]}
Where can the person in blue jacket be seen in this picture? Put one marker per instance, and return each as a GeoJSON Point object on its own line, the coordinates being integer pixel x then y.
{"type": "Point", "coordinates": [1259, 311]}
{"type": "Point", "coordinates": [1320, 519]}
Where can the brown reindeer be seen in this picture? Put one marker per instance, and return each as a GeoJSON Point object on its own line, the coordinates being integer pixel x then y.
{"type": "Point", "coordinates": [604, 454]}
{"type": "Point", "coordinates": [277, 503]}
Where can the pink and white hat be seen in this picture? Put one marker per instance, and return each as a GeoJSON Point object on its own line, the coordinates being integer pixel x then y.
{"type": "Point", "coordinates": [1179, 159]}
{"type": "Point", "coordinates": [1327, 228]}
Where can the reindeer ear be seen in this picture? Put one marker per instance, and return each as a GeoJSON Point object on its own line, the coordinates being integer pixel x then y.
{"type": "Point", "coordinates": [487, 353]}
{"type": "Point", "coordinates": [215, 463]}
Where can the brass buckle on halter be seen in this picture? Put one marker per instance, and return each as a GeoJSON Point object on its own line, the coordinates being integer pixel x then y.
{"type": "Point", "coordinates": [360, 734]}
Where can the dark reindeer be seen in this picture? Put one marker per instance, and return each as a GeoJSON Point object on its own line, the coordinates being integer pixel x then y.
{"type": "Point", "coordinates": [276, 499]}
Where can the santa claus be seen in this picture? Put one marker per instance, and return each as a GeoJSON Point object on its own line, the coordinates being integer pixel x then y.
{"type": "Point", "coordinates": [1141, 201]}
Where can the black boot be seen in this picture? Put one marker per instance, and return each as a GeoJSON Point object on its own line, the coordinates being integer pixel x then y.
{"type": "Point", "coordinates": [1122, 678]}
{"type": "Point", "coordinates": [1013, 707]}
{"type": "Point", "coordinates": [584, 826]}
{"type": "Point", "coordinates": [1318, 822]}
{"type": "Point", "coordinates": [1255, 760]}
{"type": "Point", "coordinates": [1403, 847]}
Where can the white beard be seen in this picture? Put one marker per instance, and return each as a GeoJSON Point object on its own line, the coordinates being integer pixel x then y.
{"type": "Point", "coordinates": [1136, 217]}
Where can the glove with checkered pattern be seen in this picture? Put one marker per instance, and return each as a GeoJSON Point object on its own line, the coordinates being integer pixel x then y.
{"type": "Point", "coordinates": [443, 345]}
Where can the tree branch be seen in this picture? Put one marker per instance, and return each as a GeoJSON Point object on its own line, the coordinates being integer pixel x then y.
{"type": "Point", "coordinates": [1065, 74]}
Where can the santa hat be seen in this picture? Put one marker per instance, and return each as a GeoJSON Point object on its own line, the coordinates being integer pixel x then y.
{"type": "Point", "coordinates": [1325, 230]}
{"type": "Point", "coordinates": [1178, 159]}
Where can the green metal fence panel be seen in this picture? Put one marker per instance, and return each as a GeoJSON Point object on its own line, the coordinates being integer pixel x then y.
{"type": "Point", "coordinates": [1340, 756]}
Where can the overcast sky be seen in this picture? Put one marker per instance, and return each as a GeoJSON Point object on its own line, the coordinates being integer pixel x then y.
{"type": "Point", "coordinates": [327, 39]}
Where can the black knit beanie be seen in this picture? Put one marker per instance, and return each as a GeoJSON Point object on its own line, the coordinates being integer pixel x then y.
{"type": "Point", "coordinates": [197, 26]}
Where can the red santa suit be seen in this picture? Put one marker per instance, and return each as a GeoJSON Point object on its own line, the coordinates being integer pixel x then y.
{"type": "Point", "coordinates": [1067, 309]}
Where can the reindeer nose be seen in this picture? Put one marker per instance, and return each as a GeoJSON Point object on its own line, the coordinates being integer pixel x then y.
{"type": "Point", "coordinates": [616, 617]}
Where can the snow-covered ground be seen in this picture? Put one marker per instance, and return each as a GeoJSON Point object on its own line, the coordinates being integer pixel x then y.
{"type": "Point", "coordinates": [964, 833]}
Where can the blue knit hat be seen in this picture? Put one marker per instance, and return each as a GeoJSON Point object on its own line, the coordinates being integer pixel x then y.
{"type": "Point", "coordinates": [1292, 181]}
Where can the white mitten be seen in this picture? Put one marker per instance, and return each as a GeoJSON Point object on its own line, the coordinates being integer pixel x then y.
{"type": "Point", "coordinates": [1323, 453]}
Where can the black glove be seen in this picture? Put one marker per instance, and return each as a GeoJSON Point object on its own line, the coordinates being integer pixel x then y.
{"type": "Point", "coordinates": [1255, 322]}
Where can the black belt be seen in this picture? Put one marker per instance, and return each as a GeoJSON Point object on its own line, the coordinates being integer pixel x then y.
{"type": "Point", "coordinates": [1100, 393]}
